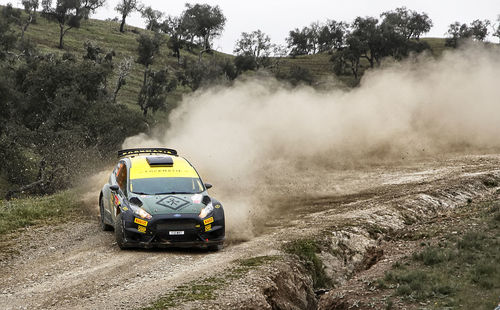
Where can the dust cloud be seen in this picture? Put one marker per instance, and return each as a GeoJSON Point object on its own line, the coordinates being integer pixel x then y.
{"type": "Point", "coordinates": [245, 137]}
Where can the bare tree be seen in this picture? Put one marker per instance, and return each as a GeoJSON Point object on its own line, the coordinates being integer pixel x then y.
{"type": "Point", "coordinates": [30, 7]}
{"type": "Point", "coordinates": [124, 68]}
{"type": "Point", "coordinates": [496, 30]}
{"type": "Point", "coordinates": [279, 53]}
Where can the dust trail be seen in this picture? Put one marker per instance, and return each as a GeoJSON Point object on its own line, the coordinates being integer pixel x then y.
{"type": "Point", "coordinates": [256, 131]}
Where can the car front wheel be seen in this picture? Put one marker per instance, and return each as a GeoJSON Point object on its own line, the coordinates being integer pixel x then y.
{"type": "Point", "coordinates": [215, 247]}
{"type": "Point", "coordinates": [104, 226]}
{"type": "Point", "coordinates": [119, 232]}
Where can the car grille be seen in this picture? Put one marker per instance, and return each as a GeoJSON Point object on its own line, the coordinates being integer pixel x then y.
{"type": "Point", "coordinates": [176, 224]}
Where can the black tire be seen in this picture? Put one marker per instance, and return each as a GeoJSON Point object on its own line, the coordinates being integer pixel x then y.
{"type": "Point", "coordinates": [120, 232]}
{"type": "Point", "coordinates": [104, 226]}
{"type": "Point", "coordinates": [216, 247]}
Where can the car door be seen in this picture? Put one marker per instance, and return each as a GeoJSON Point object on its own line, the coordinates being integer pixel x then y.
{"type": "Point", "coordinates": [109, 196]}
{"type": "Point", "coordinates": [120, 179]}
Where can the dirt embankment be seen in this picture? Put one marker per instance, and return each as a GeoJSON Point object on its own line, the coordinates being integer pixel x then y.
{"type": "Point", "coordinates": [346, 212]}
{"type": "Point", "coordinates": [352, 237]}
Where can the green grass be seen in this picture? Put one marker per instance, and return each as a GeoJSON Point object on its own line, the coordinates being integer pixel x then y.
{"type": "Point", "coordinates": [437, 45]}
{"type": "Point", "coordinates": [105, 34]}
{"type": "Point", "coordinates": [54, 209]}
{"type": "Point", "coordinates": [193, 291]}
{"type": "Point", "coordinates": [459, 272]}
{"type": "Point", "coordinates": [307, 250]}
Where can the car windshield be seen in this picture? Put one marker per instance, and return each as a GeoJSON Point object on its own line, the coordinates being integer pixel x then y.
{"type": "Point", "coordinates": [152, 186]}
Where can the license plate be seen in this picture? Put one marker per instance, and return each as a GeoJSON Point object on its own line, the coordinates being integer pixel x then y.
{"type": "Point", "coordinates": [176, 232]}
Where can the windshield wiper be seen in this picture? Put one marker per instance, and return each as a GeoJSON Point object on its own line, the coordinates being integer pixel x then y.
{"type": "Point", "coordinates": [172, 193]}
{"type": "Point", "coordinates": [141, 193]}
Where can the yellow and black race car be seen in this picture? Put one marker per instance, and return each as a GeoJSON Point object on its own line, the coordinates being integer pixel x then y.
{"type": "Point", "coordinates": [154, 197]}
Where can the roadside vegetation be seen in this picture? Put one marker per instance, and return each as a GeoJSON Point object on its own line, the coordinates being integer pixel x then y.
{"type": "Point", "coordinates": [72, 88]}
{"type": "Point", "coordinates": [307, 250]}
{"type": "Point", "coordinates": [21, 213]}
{"type": "Point", "coordinates": [459, 270]}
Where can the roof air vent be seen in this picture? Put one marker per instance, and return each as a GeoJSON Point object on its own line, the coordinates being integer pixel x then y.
{"type": "Point", "coordinates": [160, 161]}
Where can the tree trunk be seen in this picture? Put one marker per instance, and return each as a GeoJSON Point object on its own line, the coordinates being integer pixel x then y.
{"type": "Point", "coordinates": [117, 89]}
{"type": "Point", "coordinates": [122, 25]}
{"type": "Point", "coordinates": [25, 27]}
{"type": "Point", "coordinates": [61, 36]}
{"type": "Point", "coordinates": [370, 60]}
{"type": "Point", "coordinates": [142, 95]}
{"type": "Point", "coordinates": [355, 68]}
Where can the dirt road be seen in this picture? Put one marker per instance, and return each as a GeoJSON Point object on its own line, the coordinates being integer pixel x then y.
{"type": "Point", "coordinates": [77, 266]}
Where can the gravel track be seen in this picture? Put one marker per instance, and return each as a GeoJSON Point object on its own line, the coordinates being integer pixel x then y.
{"type": "Point", "coordinates": [76, 266]}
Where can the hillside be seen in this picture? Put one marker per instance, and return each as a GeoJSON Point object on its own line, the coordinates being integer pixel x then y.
{"type": "Point", "coordinates": [106, 35]}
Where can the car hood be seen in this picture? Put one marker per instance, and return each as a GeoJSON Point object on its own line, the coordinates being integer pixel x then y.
{"type": "Point", "coordinates": [172, 203]}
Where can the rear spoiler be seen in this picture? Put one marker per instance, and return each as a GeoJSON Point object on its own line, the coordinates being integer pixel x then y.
{"type": "Point", "coordinates": [154, 150]}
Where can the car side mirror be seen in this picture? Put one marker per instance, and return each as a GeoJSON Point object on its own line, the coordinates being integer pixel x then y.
{"type": "Point", "coordinates": [208, 185]}
{"type": "Point", "coordinates": [135, 201]}
{"type": "Point", "coordinates": [114, 188]}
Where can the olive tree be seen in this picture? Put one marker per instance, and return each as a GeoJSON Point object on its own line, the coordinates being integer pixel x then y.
{"type": "Point", "coordinates": [125, 7]}
{"type": "Point", "coordinates": [206, 22]}
{"type": "Point", "coordinates": [256, 45]}
{"type": "Point", "coordinates": [152, 17]}
{"type": "Point", "coordinates": [69, 13]}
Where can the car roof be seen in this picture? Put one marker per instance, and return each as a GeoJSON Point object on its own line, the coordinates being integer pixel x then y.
{"type": "Point", "coordinates": [140, 167]}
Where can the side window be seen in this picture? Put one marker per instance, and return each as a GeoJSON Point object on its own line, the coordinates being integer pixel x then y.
{"type": "Point", "coordinates": [121, 177]}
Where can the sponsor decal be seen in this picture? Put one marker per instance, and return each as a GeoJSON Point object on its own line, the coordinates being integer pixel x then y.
{"type": "Point", "coordinates": [198, 226]}
{"type": "Point", "coordinates": [117, 200]}
{"type": "Point", "coordinates": [172, 202]}
{"type": "Point", "coordinates": [125, 208]}
{"type": "Point", "coordinates": [217, 206]}
{"type": "Point", "coordinates": [141, 229]}
{"type": "Point", "coordinates": [141, 169]}
{"type": "Point", "coordinates": [208, 227]}
{"type": "Point", "coordinates": [141, 222]}
{"type": "Point", "coordinates": [208, 220]}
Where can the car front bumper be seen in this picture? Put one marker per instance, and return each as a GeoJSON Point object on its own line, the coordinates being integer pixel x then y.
{"type": "Point", "coordinates": [173, 230]}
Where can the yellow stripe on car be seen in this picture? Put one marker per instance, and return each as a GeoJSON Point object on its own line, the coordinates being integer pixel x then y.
{"type": "Point", "coordinates": [140, 169]}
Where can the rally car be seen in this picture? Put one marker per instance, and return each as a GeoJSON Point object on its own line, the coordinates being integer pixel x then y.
{"type": "Point", "coordinates": [154, 197]}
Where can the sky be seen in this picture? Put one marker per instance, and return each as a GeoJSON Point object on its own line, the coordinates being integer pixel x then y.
{"type": "Point", "coordinates": [277, 17]}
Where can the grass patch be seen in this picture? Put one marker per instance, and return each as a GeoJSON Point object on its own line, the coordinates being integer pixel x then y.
{"type": "Point", "coordinates": [461, 272]}
{"type": "Point", "coordinates": [307, 250]}
{"type": "Point", "coordinates": [257, 261]}
{"type": "Point", "coordinates": [193, 291]}
{"type": "Point", "coordinates": [206, 289]}
{"type": "Point", "coordinates": [20, 213]}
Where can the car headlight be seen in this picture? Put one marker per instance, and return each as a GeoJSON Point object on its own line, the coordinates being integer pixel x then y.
{"type": "Point", "coordinates": [206, 210]}
{"type": "Point", "coordinates": [142, 213]}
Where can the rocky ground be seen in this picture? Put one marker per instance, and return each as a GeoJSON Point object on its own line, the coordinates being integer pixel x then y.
{"type": "Point", "coordinates": [347, 212]}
